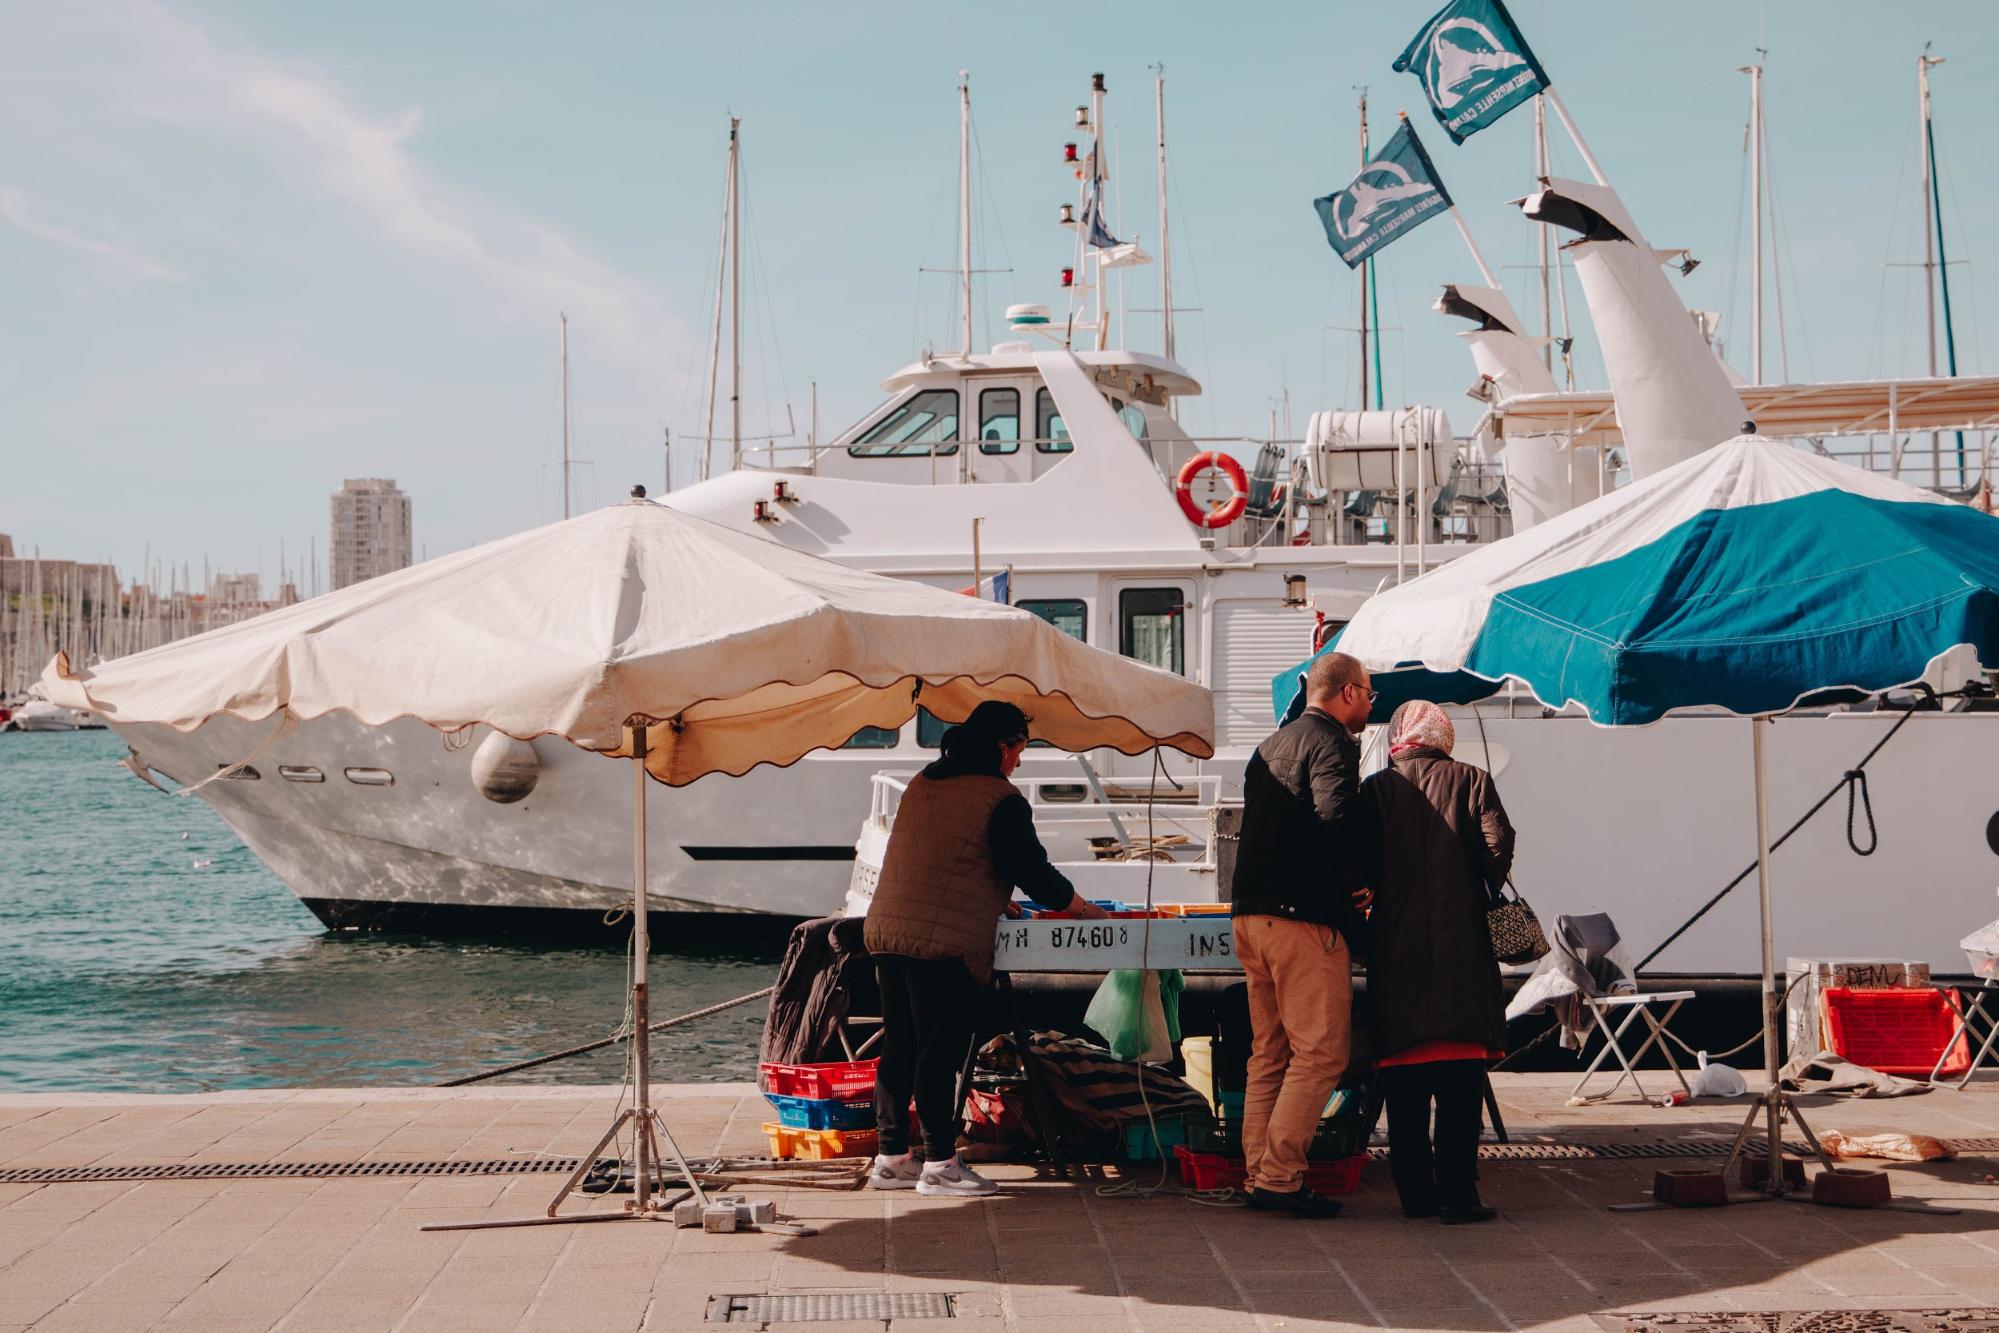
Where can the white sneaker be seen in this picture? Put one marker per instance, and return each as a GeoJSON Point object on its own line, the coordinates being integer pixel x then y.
{"type": "Point", "coordinates": [953, 1177]}
{"type": "Point", "coordinates": [895, 1173]}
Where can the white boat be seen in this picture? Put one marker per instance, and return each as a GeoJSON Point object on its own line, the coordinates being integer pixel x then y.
{"type": "Point", "coordinates": [1053, 460]}
{"type": "Point", "coordinates": [41, 715]}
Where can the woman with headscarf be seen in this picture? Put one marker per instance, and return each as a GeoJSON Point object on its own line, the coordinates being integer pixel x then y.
{"type": "Point", "coordinates": [1432, 982]}
{"type": "Point", "coordinates": [962, 841]}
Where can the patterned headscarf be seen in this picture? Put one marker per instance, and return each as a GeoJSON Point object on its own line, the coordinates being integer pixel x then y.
{"type": "Point", "coordinates": [1420, 724]}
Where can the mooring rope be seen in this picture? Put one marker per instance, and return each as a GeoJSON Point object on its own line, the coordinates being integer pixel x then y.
{"type": "Point", "coordinates": [601, 1043]}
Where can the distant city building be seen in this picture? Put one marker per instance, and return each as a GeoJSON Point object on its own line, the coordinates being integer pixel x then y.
{"type": "Point", "coordinates": [371, 531]}
{"type": "Point", "coordinates": [236, 588]}
{"type": "Point", "coordinates": [6, 547]}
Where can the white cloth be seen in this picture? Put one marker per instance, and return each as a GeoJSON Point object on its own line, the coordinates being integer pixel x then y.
{"type": "Point", "coordinates": [739, 650]}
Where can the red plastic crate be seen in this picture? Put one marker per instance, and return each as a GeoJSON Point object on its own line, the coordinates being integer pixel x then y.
{"type": "Point", "coordinates": [1897, 1030]}
{"type": "Point", "coordinates": [1212, 1171]}
{"type": "Point", "coordinates": [846, 1081]}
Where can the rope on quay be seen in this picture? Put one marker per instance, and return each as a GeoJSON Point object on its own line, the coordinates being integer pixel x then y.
{"type": "Point", "coordinates": [600, 1044]}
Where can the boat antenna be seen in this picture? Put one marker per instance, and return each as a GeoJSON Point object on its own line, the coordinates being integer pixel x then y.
{"type": "Point", "coordinates": [565, 415]}
{"type": "Point", "coordinates": [965, 205]}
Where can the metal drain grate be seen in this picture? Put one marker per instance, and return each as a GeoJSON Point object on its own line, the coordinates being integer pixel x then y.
{"type": "Point", "coordinates": [828, 1307]}
{"type": "Point", "coordinates": [1958, 1319]}
{"type": "Point", "coordinates": [70, 1175]}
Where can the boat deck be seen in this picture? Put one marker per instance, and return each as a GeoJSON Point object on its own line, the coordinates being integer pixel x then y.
{"type": "Point", "coordinates": [308, 1252]}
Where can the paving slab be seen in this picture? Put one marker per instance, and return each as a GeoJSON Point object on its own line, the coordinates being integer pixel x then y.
{"type": "Point", "coordinates": [299, 1253]}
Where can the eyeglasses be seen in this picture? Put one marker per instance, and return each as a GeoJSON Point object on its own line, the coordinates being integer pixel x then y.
{"type": "Point", "coordinates": [1372, 695]}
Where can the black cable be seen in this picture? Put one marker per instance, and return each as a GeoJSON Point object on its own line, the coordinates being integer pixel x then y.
{"type": "Point", "coordinates": [1853, 782]}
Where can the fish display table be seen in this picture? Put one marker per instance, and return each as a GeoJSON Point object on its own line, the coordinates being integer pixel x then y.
{"type": "Point", "coordinates": [1200, 943]}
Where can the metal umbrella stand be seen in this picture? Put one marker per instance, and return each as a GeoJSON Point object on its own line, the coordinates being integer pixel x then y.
{"type": "Point", "coordinates": [649, 1128]}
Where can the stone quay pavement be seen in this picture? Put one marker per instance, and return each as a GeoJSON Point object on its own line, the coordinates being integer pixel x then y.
{"type": "Point", "coordinates": [297, 1253]}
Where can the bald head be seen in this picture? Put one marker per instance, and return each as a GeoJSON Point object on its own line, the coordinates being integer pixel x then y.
{"type": "Point", "coordinates": [1338, 684]}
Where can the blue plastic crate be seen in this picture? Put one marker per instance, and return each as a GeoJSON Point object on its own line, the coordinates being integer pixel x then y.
{"type": "Point", "coordinates": [1140, 1144]}
{"type": "Point", "coordinates": [822, 1113]}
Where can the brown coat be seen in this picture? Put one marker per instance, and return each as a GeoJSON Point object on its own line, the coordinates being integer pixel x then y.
{"type": "Point", "coordinates": [1446, 847]}
{"type": "Point", "coordinates": [940, 893]}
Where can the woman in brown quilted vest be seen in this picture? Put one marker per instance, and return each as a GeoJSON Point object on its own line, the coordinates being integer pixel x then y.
{"type": "Point", "coordinates": [963, 841]}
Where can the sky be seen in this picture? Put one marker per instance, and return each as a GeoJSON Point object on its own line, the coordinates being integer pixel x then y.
{"type": "Point", "coordinates": [247, 250]}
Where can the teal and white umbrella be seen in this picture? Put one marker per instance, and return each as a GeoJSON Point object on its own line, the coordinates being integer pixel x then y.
{"type": "Point", "coordinates": [1749, 578]}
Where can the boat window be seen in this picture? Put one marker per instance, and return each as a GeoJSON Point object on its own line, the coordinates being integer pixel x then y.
{"type": "Point", "coordinates": [1068, 614]}
{"type": "Point", "coordinates": [1152, 627]}
{"type": "Point", "coordinates": [999, 421]}
{"type": "Point", "coordinates": [1134, 418]}
{"type": "Point", "coordinates": [1050, 435]}
{"type": "Point", "coordinates": [873, 738]}
{"type": "Point", "coordinates": [233, 773]}
{"type": "Point", "coordinates": [927, 423]}
{"type": "Point", "coordinates": [300, 773]}
{"type": "Point", "coordinates": [930, 728]}
{"type": "Point", "coordinates": [371, 777]}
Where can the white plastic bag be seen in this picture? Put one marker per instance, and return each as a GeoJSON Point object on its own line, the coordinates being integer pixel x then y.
{"type": "Point", "coordinates": [1717, 1080]}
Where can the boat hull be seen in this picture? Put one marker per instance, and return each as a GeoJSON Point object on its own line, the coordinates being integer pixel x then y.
{"type": "Point", "coordinates": [1644, 824]}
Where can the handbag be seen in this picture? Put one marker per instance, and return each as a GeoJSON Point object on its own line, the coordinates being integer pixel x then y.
{"type": "Point", "coordinates": [1516, 932]}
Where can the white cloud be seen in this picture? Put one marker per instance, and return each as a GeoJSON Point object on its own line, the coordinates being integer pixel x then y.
{"type": "Point", "coordinates": [14, 208]}
{"type": "Point", "coordinates": [367, 157]}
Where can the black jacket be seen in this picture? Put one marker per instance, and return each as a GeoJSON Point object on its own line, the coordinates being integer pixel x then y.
{"type": "Point", "coordinates": [1307, 841]}
{"type": "Point", "coordinates": [1446, 848]}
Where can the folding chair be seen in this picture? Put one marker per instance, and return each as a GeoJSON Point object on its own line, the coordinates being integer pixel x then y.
{"type": "Point", "coordinates": [1636, 1005]}
{"type": "Point", "coordinates": [1966, 1012]}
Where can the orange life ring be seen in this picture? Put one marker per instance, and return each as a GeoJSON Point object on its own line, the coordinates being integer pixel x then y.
{"type": "Point", "coordinates": [1229, 510]}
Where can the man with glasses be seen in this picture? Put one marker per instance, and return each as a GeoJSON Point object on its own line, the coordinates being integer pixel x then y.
{"type": "Point", "coordinates": [1306, 841]}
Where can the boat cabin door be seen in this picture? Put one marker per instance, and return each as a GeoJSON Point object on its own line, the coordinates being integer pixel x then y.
{"type": "Point", "coordinates": [1154, 620]}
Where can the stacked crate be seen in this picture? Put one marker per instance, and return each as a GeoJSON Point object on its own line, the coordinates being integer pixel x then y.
{"type": "Point", "coordinates": [823, 1110]}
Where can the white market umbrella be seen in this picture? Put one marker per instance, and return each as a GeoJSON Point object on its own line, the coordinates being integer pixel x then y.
{"type": "Point", "coordinates": [640, 631]}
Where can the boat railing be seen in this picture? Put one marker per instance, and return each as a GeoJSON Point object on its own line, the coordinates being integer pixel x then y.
{"type": "Point", "coordinates": [1120, 827]}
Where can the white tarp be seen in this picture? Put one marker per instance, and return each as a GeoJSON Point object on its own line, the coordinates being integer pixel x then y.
{"type": "Point", "coordinates": [741, 652]}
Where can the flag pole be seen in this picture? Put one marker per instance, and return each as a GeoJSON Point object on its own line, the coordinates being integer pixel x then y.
{"type": "Point", "coordinates": [1562, 114]}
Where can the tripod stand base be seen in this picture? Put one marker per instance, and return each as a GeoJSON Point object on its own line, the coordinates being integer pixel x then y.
{"type": "Point", "coordinates": [1774, 1106]}
{"type": "Point", "coordinates": [644, 1207]}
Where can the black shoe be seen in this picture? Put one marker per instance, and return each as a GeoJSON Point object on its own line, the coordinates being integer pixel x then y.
{"type": "Point", "coordinates": [1467, 1214]}
{"type": "Point", "coordinates": [1300, 1202]}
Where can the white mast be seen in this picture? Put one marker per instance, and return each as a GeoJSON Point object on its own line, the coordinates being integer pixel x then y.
{"type": "Point", "coordinates": [735, 294]}
{"type": "Point", "coordinates": [1546, 238]}
{"type": "Point", "coordinates": [565, 415]}
{"type": "Point", "coordinates": [1096, 188]}
{"type": "Point", "coordinates": [1165, 250]}
{"type": "Point", "coordinates": [1923, 63]}
{"type": "Point", "coordinates": [965, 204]}
{"type": "Point", "coordinates": [721, 276]}
{"type": "Point", "coordinates": [1755, 73]}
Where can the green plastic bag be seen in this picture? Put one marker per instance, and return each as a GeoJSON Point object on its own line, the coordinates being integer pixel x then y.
{"type": "Point", "coordinates": [1138, 1014]}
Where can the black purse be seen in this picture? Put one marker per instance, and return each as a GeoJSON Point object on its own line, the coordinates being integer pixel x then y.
{"type": "Point", "coordinates": [1516, 932]}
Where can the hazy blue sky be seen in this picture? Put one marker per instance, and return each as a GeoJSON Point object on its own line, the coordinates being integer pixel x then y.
{"type": "Point", "coordinates": [247, 250]}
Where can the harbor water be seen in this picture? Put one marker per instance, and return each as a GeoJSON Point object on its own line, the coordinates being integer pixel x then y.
{"type": "Point", "coordinates": [144, 949]}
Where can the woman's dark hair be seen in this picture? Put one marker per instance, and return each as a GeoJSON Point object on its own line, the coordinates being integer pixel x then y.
{"type": "Point", "coordinates": [974, 744]}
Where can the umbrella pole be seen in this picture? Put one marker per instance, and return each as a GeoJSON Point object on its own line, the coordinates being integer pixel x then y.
{"type": "Point", "coordinates": [641, 1004]}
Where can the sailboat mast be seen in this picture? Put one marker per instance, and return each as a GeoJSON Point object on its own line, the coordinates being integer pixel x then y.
{"type": "Point", "coordinates": [1755, 73]}
{"type": "Point", "coordinates": [1165, 249]}
{"type": "Point", "coordinates": [565, 416]}
{"type": "Point", "coordinates": [1923, 63]}
{"type": "Point", "coordinates": [1544, 236]}
{"type": "Point", "coordinates": [735, 294]}
{"type": "Point", "coordinates": [1367, 266]}
{"type": "Point", "coordinates": [965, 205]}
{"type": "Point", "coordinates": [1093, 256]}
{"type": "Point", "coordinates": [1934, 203]}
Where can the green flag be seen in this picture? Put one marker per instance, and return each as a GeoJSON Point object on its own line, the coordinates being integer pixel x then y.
{"type": "Point", "coordinates": [1395, 191]}
{"type": "Point", "coordinates": [1474, 65]}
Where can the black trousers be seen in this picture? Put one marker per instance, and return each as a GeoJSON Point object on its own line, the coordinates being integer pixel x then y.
{"type": "Point", "coordinates": [930, 1008]}
{"type": "Point", "coordinates": [1449, 1175]}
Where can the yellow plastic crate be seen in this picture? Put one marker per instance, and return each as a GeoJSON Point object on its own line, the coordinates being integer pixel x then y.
{"type": "Point", "coordinates": [819, 1144]}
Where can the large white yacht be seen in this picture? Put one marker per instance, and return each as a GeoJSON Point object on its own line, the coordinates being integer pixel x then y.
{"type": "Point", "coordinates": [1055, 464]}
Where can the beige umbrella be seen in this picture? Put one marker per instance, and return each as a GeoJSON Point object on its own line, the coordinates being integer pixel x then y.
{"type": "Point", "coordinates": [640, 631]}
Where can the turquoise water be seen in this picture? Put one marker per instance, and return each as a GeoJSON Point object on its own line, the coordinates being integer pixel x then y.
{"type": "Point", "coordinates": [144, 949]}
